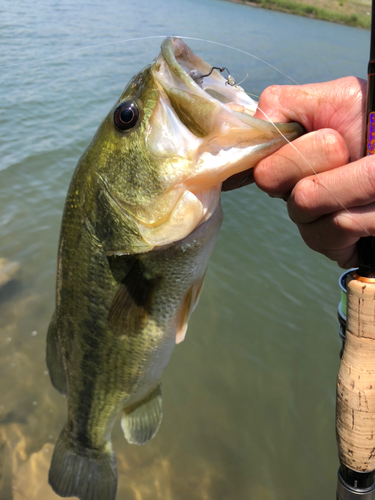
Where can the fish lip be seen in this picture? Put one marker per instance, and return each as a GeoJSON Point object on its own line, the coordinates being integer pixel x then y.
{"type": "Point", "coordinates": [230, 100]}
{"type": "Point", "coordinates": [174, 48]}
{"type": "Point", "coordinates": [172, 67]}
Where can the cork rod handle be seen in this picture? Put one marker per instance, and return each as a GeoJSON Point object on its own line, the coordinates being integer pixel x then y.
{"type": "Point", "coordinates": [355, 408]}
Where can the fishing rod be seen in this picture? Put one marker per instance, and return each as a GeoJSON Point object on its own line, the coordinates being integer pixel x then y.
{"type": "Point", "coordinates": [355, 396]}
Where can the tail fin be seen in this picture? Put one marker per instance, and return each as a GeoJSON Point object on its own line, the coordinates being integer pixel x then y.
{"type": "Point", "coordinates": [88, 476]}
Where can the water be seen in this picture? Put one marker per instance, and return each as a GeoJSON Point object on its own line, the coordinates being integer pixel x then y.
{"type": "Point", "coordinates": [249, 396]}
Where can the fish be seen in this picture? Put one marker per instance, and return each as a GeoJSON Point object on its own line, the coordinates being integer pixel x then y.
{"type": "Point", "coordinates": [140, 221]}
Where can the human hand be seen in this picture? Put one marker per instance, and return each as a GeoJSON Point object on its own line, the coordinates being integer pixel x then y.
{"type": "Point", "coordinates": [336, 207]}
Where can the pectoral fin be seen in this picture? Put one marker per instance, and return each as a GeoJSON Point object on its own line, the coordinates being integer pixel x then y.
{"type": "Point", "coordinates": [189, 304]}
{"type": "Point", "coordinates": [131, 305]}
{"type": "Point", "coordinates": [141, 421]}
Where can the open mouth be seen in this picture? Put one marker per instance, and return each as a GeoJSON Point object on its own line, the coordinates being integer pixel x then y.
{"type": "Point", "coordinates": [197, 91]}
{"type": "Point", "coordinates": [218, 112]}
{"type": "Point", "coordinates": [201, 133]}
{"type": "Point", "coordinates": [194, 72]}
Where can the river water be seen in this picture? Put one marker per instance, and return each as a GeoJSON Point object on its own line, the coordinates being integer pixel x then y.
{"type": "Point", "coordinates": [249, 397]}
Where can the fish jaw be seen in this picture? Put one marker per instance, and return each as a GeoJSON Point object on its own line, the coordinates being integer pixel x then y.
{"type": "Point", "coordinates": [220, 134]}
{"type": "Point", "coordinates": [163, 178]}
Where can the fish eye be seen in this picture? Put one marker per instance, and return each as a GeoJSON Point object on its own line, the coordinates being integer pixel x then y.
{"type": "Point", "coordinates": [126, 115]}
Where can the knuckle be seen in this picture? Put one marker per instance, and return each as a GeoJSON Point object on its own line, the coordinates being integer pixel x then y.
{"type": "Point", "coordinates": [334, 147]}
{"type": "Point", "coordinates": [355, 86]}
{"type": "Point", "coordinates": [264, 176]}
{"type": "Point", "coordinates": [270, 95]}
{"type": "Point", "coordinates": [303, 199]}
{"type": "Point", "coordinates": [351, 81]}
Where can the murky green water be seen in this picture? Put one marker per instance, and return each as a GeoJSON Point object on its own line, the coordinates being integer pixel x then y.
{"type": "Point", "coordinates": [249, 396]}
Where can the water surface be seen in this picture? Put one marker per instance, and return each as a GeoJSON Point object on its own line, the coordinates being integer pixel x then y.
{"type": "Point", "coordinates": [249, 396]}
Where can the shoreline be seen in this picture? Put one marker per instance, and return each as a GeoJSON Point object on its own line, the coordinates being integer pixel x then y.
{"type": "Point", "coordinates": [341, 12]}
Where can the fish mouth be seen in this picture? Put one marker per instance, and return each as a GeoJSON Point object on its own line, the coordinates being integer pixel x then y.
{"type": "Point", "coordinates": [223, 138]}
{"type": "Point", "coordinates": [200, 133]}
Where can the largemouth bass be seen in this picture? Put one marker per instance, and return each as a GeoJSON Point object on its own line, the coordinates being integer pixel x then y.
{"type": "Point", "coordinates": [140, 221]}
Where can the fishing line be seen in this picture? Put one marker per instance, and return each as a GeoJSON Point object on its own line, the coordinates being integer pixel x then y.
{"type": "Point", "coordinates": [243, 79]}
{"type": "Point", "coordinates": [241, 51]}
{"type": "Point", "coordinates": [313, 170]}
{"type": "Point", "coordinates": [147, 38]}
{"type": "Point", "coordinates": [31, 61]}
